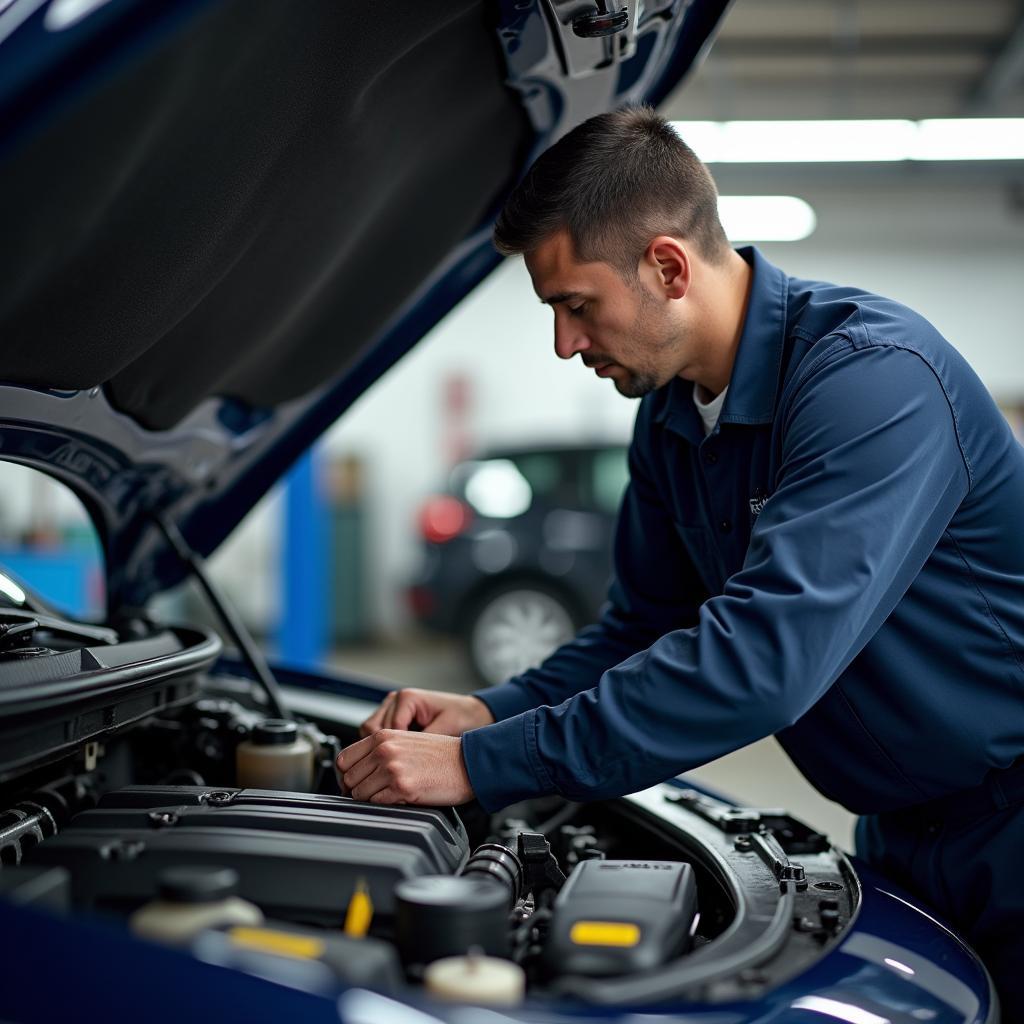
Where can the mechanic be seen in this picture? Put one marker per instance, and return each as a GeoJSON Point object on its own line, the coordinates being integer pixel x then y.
{"type": "Point", "coordinates": [820, 540]}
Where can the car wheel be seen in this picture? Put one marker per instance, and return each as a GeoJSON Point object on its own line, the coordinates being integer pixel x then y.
{"type": "Point", "coordinates": [514, 629]}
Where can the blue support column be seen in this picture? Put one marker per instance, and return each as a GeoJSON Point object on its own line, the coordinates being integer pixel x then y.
{"type": "Point", "coordinates": [305, 565]}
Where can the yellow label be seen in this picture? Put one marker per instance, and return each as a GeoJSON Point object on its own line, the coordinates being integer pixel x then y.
{"type": "Point", "coordinates": [604, 933]}
{"type": "Point", "coordinates": [282, 943]}
{"type": "Point", "coordinates": [360, 912]}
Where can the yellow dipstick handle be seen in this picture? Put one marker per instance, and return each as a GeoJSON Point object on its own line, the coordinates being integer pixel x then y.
{"type": "Point", "coordinates": [360, 912]}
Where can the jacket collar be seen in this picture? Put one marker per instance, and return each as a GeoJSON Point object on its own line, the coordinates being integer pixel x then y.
{"type": "Point", "coordinates": [754, 383]}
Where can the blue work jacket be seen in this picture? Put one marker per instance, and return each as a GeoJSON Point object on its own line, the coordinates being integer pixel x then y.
{"type": "Point", "coordinates": [840, 563]}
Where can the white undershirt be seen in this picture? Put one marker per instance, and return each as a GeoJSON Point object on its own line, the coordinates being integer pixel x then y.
{"type": "Point", "coordinates": [709, 411]}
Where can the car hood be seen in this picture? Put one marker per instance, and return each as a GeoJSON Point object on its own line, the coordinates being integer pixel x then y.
{"type": "Point", "coordinates": [222, 221]}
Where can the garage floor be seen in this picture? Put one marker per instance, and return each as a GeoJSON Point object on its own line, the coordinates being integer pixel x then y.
{"type": "Point", "coordinates": [759, 775]}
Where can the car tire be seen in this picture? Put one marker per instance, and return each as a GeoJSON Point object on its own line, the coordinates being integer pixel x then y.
{"type": "Point", "coordinates": [514, 627]}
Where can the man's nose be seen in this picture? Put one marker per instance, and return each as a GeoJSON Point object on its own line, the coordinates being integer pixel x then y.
{"type": "Point", "coordinates": [569, 338]}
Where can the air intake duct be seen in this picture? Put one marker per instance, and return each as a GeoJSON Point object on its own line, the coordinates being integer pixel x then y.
{"type": "Point", "coordinates": [501, 865]}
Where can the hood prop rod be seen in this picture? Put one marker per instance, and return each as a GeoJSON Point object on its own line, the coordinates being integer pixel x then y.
{"type": "Point", "coordinates": [234, 626]}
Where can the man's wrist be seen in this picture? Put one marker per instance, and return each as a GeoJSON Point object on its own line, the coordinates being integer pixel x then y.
{"type": "Point", "coordinates": [484, 715]}
{"type": "Point", "coordinates": [465, 773]}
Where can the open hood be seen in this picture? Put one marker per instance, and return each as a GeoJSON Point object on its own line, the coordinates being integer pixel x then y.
{"type": "Point", "coordinates": [222, 221]}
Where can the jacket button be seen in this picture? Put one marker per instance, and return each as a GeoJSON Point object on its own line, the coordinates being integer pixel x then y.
{"type": "Point", "coordinates": [725, 526]}
{"type": "Point", "coordinates": [710, 457]}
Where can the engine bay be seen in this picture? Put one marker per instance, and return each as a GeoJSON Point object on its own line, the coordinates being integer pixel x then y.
{"type": "Point", "coordinates": [147, 783]}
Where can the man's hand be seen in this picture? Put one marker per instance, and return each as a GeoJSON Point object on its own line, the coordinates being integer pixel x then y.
{"type": "Point", "coordinates": [450, 714]}
{"type": "Point", "coordinates": [392, 767]}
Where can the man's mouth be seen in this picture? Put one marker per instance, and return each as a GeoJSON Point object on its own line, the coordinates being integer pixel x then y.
{"type": "Point", "coordinates": [601, 367]}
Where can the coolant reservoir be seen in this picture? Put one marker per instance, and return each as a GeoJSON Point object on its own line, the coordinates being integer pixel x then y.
{"type": "Point", "coordinates": [191, 900]}
{"type": "Point", "coordinates": [276, 756]}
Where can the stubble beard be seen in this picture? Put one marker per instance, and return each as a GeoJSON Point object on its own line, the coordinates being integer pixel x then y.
{"type": "Point", "coordinates": [652, 334]}
{"type": "Point", "coordinates": [636, 385]}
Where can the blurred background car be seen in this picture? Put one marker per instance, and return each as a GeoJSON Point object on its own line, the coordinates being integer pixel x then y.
{"type": "Point", "coordinates": [517, 551]}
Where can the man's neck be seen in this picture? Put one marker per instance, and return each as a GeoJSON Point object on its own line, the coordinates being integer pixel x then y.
{"type": "Point", "coordinates": [703, 395]}
{"type": "Point", "coordinates": [726, 312]}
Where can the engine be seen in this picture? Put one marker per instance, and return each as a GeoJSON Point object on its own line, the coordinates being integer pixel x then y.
{"type": "Point", "coordinates": [198, 856]}
{"type": "Point", "coordinates": [141, 788]}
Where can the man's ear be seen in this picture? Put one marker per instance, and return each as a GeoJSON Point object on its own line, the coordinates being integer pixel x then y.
{"type": "Point", "coordinates": [670, 263]}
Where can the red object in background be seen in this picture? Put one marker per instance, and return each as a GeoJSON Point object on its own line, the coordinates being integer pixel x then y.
{"type": "Point", "coordinates": [42, 537]}
{"type": "Point", "coordinates": [442, 518]}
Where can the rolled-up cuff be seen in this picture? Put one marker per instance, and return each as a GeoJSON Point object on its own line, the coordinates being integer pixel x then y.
{"type": "Point", "coordinates": [502, 763]}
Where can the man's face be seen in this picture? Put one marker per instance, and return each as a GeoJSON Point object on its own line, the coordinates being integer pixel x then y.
{"type": "Point", "coordinates": [620, 329]}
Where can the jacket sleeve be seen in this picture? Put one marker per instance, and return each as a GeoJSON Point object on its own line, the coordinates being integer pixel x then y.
{"type": "Point", "coordinates": [871, 473]}
{"type": "Point", "coordinates": [655, 590]}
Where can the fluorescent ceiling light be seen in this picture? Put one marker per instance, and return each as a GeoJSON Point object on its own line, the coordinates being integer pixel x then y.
{"type": "Point", "coordinates": [982, 138]}
{"type": "Point", "coordinates": [758, 142]}
{"type": "Point", "coordinates": [766, 218]}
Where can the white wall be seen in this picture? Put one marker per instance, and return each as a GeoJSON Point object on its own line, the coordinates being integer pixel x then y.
{"type": "Point", "coordinates": [955, 254]}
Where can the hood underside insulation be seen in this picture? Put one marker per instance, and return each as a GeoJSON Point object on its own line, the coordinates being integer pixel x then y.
{"type": "Point", "coordinates": [239, 211]}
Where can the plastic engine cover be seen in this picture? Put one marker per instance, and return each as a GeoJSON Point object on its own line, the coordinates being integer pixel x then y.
{"type": "Point", "coordinates": [619, 916]}
{"type": "Point", "coordinates": [298, 856]}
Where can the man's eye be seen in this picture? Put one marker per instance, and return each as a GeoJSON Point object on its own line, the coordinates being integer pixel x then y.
{"type": "Point", "coordinates": [577, 310]}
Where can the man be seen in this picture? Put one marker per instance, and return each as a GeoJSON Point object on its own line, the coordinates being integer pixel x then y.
{"type": "Point", "coordinates": [819, 540]}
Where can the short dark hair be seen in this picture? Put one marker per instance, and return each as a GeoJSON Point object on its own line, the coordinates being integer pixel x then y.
{"type": "Point", "coordinates": [615, 182]}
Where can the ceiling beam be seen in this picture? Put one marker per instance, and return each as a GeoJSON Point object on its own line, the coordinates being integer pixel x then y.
{"type": "Point", "coordinates": [874, 46]}
{"type": "Point", "coordinates": [794, 19]}
{"type": "Point", "coordinates": [1004, 74]}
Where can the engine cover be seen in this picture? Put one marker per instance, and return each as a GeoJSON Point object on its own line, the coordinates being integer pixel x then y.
{"type": "Point", "coordinates": [298, 856]}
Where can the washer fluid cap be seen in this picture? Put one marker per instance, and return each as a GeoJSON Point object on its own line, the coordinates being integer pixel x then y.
{"type": "Point", "coordinates": [197, 884]}
{"type": "Point", "coordinates": [275, 732]}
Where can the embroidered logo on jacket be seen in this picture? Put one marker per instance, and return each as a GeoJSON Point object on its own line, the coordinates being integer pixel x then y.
{"type": "Point", "coordinates": [757, 503]}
